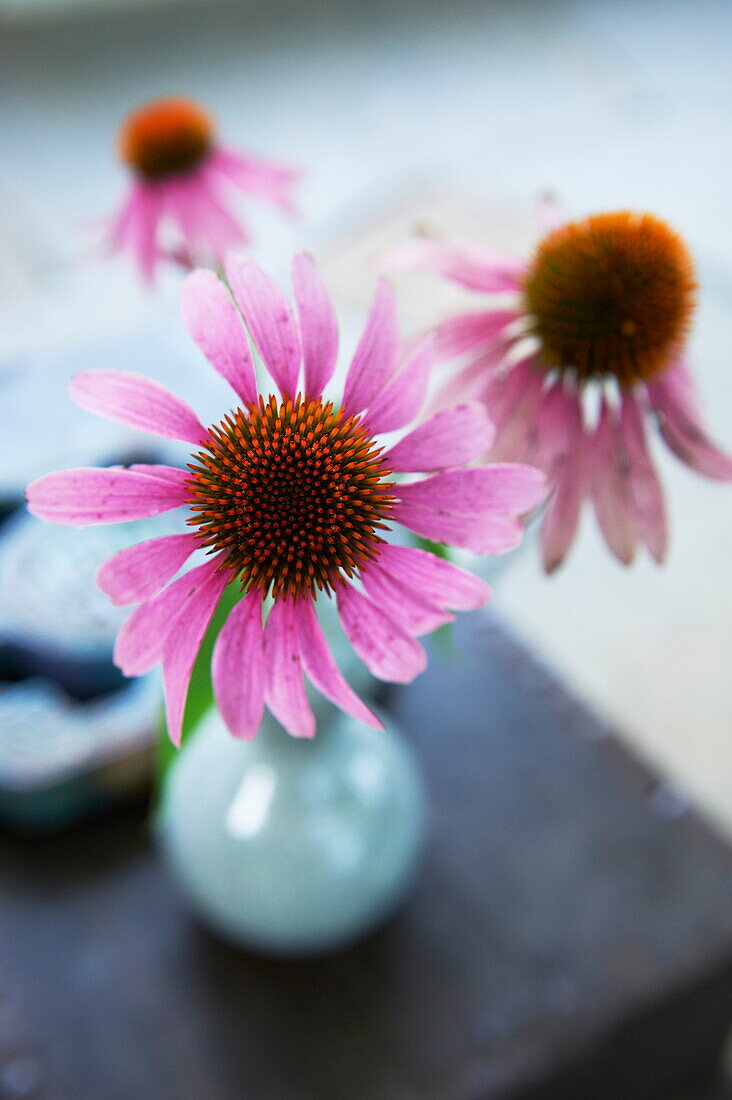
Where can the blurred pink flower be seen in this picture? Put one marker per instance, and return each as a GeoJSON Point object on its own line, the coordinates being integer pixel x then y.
{"type": "Point", "coordinates": [292, 496]}
{"type": "Point", "coordinates": [587, 343]}
{"type": "Point", "coordinates": [179, 204]}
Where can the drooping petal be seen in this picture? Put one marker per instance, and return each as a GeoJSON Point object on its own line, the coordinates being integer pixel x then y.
{"type": "Point", "coordinates": [260, 178]}
{"type": "Point", "coordinates": [267, 313]}
{"type": "Point", "coordinates": [321, 669]}
{"type": "Point", "coordinates": [237, 668]}
{"type": "Point", "coordinates": [92, 494]}
{"type": "Point", "coordinates": [403, 396]}
{"type": "Point", "coordinates": [516, 432]}
{"type": "Point", "coordinates": [559, 525]}
{"type": "Point", "coordinates": [610, 484]}
{"type": "Point", "coordinates": [404, 604]}
{"type": "Point", "coordinates": [285, 688]}
{"type": "Point", "coordinates": [142, 229]}
{"type": "Point", "coordinates": [138, 572]}
{"type": "Point", "coordinates": [469, 332]}
{"type": "Point", "coordinates": [505, 390]}
{"type": "Point", "coordinates": [646, 496]}
{"type": "Point", "coordinates": [674, 401]}
{"type": "Point", "coordinates": [140, 641]}
{"type": "Point", "coordinates": [677, 387]}
{"type": "Point", "coordinates": [182, 644]}
{"type": "Point", "coordinates": [440, 581]}
{"type": "Point", "coordinates": [558, 422]}
{"type": "Point", "coordinates": [138, 402]}
{"type": "Point", "coordinates": [507, 487]}
{"type": "Point", "coordinates": [477, 269]}
{"type": "Point", "coordinates": [377, 353]}
{"type": "Point", "coordinates": [207, 228]}
{"type": "Point", "coordinates": [118, 225]}
{"type": "Point", "coordinates": [471, 383]}
{"type": "Point", "coordinates": [222, 230]}
{"type": "Point", "coordinates": [318, 325]}
{"type": "Point", "coordinates": [388, 652]}
{"type": "Point", "coordinates": [180, 203]}
{"type": "Point", "coordinates": [212, 320]}
{"type": "Point", "coordinates": [450, 438]}
{"type": "Point", "coordinates": [483, 534]}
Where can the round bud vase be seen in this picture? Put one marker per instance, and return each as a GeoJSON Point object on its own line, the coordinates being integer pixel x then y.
{"type": "Point", "coordinates": [293, 847]}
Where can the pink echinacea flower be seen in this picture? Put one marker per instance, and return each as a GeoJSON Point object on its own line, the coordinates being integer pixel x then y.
{"type": "Point", "coordinates": [589, 346]}
{"type": "Point", "coordinates": [293, 497]}
{"type": "Point", "coordinates": [179, 206]}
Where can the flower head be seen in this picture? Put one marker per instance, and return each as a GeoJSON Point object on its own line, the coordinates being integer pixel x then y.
{"type": "Point", "coordinates": [294, 499]}
{"type": "Point", "coordinates": [316, 491]}
{"type": "Point", "coordinates": [179, 204]}
{"type": "Point", "coordinates": [603, 307]}
{"type": "Point", "coordinates": [167, 137]}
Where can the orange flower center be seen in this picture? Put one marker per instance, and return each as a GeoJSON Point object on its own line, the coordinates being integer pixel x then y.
{"type": "Point", "coordinates": [294, 492]}
{"type": "Point", "coordinates": [612, 295]}
{"type": "Point", "coordinates": [166, 137]}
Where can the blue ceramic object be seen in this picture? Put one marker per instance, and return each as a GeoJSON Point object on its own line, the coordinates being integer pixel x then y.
{"type": "Point", "coordinates": [293, 847]}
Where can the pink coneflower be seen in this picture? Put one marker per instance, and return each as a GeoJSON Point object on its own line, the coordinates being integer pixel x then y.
{"type": "Point", "coordinates": [591, 344]}
{"type": "Point", "coordinates": [293, 498]}
{"type": "Point", "coordinates": [179, 205]}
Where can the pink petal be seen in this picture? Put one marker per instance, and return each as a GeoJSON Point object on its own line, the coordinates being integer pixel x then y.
{"type": "Point", "coordinates": [506, 390]}
{"type": "Point", "coordinates": [285, 688]}
{"type": "Point", "coordinates": [516, 432]}
{"type": "Point", "coordinates": [118, 225]}
{"type": "Point", "coordinates": [260, 178]}
{"type": "Point", "coordinates": [560, 521]}
{"type": "Point", "coordinates": [139, 572]}
{"type": "Point", "coordinates": [478, 269]}
{"type": "Point", "coordinates": [141, 236]}
{"type": "Point", "coordinates": [411, 610]}
{"type": "Point", "coordinates": [677, 386]}
{"type": "Point", "coordinates": [140, 641]}
{"type": "Point", "coordinates": [388, 652]}
{"type": "Point", "coordinates": [221, 228]}
{"type": "Point", "coordinates": [237, 668]}
{"type": "Point", "coordinates": [318, 325]}
{"type": "Point", "coordinates": [561, 453]}
{"type": "Point", "coordinates": [484, 534]}
{"type": "Point", "coordinates": [450, 438]}
{"type": "Point", "coordinates": [377, 353]}
{"type": "Point", "coordinates": [471, 383]}
{"type": "Point", "coordinates": [138, 402]}
{"type": "Point", "coordinates": [646, 495]}
{"type": "Point", "coordinates": [501, 487]}
{"type": "Point", "coordinates": [322, 670]}
{"type": "Point", "coordinates": [610, 485]}
{"type": "Point", "coordinates": [182, 207]}
{"type": "Point", "coordinates": [90, 494]}
{"type": "Point", "coordinates": [185, 634]}
{"type": "Point", "coordinates": [267, 314]}
{"type": "Point", "coordinates": [675, 404]}
{"type": "Point", "coordinates": [403, 396]}
{"type": "Point", "coordinates": [440, 581]}
{"type": "Point", "coordinates": [211, 318]}
{"type": "Point", "coordinates": [470, 331]}
{"type": "Point", "coordinates": [558, 422]}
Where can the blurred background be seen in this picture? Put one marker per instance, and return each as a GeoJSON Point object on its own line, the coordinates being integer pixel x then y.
{"type": "Point", "coordinates": [401, 114]}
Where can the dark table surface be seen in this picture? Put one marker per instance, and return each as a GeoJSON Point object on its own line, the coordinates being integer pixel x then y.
{"type": "Point", "coordinates": [570, 934]}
